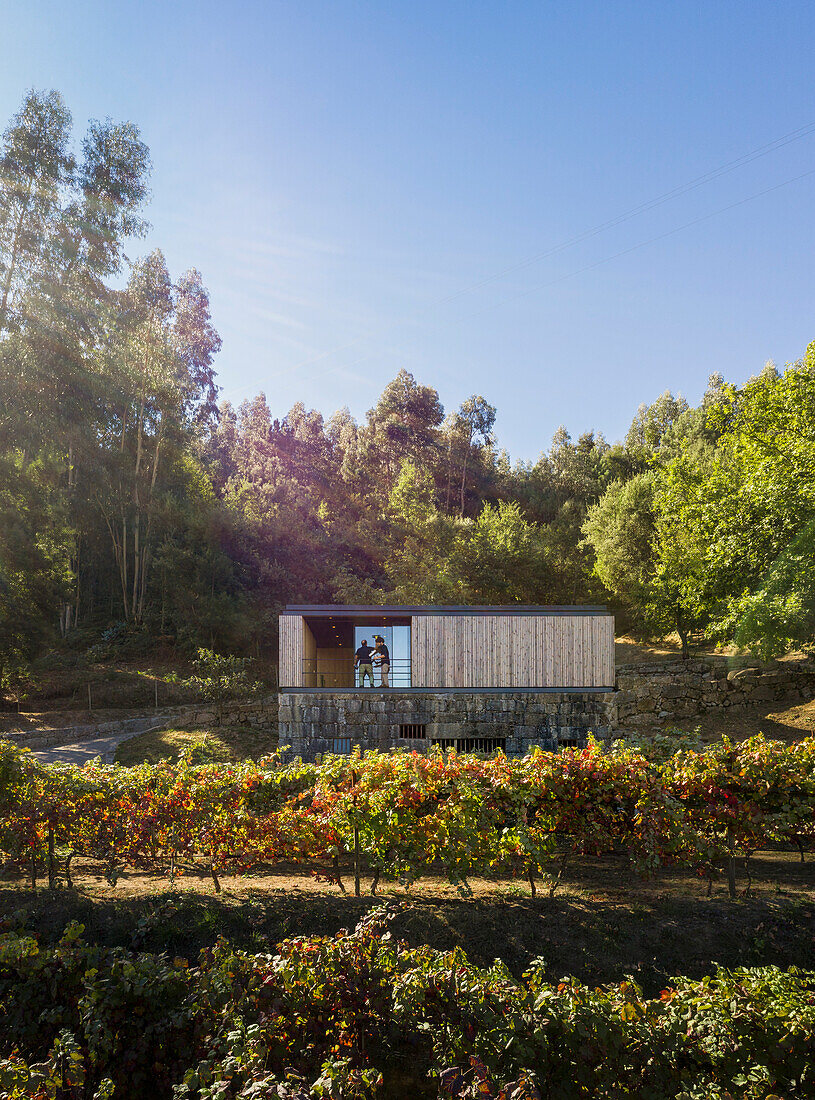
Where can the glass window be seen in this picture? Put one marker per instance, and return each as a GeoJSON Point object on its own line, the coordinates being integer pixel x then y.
{"type": "Point", "coordinates": [397, 639]}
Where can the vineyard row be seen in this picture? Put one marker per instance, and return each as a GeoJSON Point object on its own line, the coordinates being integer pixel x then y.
{"type": "Point", "coordinates": [404, 815]}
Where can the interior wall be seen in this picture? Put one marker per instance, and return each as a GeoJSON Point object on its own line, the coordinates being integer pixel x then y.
{"type": "Point", "coordinates": [335, 668]}
{"type": "Point", "coordinates": [309, 672]}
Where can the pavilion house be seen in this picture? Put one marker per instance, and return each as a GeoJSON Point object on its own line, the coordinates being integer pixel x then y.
{"type": "Point", "coordinates": [474, 678]}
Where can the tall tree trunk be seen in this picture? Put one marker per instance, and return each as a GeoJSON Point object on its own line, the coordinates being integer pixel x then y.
{"type": "Point", "coordinates": [136, 501]}
{"type": "Point", "coordinates": [449, 474]}
{"type": "Point", "coordinates": [146, 550]}
{"type": "Point", "coordinates": [15, 248]}
{"type": "Point", "coordinates": [78, 573]}
{"type": "Point", "coordinates": [464, 473]}
{"type": "Point", "coordinates": [70, 606]}
{"type": "Point", "coordinates": [682, 631]}
{"type": "Point", "coordinates": [123, 567]}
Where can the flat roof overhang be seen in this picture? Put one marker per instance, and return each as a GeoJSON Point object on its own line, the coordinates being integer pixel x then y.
{"type": "Point", "coordinates": [379, 611]}
{"type": "Point", "coordinates": [400, 691]}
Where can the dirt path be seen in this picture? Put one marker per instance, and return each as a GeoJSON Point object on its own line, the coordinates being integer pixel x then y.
{"type": "Point", "coordinates": [82, 751]}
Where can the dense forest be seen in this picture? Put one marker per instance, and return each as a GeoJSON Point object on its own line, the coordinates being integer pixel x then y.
{"type": "Point", "coordinates": [131, 501]}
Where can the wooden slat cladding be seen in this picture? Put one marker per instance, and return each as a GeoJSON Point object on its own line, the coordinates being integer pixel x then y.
{"type": "Point", "coordinates": [512, 651]}
{"type": "Point", "coordinates": [292, 650]}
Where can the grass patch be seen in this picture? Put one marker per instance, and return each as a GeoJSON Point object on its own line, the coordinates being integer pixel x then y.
{"type": "Point", "coordinates": [224, 744]}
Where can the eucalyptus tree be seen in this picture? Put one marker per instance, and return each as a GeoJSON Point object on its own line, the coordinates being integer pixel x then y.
{"type": "Point", "coordinates": [160, 360]}
{"type": "Point", "coordinates": [63, 223]}
{"type": "Point", "coordinates": [36, 166]}
{"type": "Point", "coordinates": [653, 421]}
{"type": "Point", "coordinates": [476, 419]}
{"type": "Point", "coordinates": [404, 424]}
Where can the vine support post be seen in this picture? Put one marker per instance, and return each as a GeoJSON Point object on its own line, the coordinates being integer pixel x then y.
{"type": "Point", "coordinates": [335, 863]}
{"type": "Point", "coordinates": [747, 856]}
{"type": "Point", "coordinates": [561, 870]}
{"type": "Point", "coordinates": [52, 871]}
{"type": "Point", "coordinates": [731, 863]}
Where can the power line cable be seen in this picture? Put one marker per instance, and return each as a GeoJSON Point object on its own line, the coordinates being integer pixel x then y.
{"type": "Point", "coordinates": [644, 208]}
{"type": "Point", "coordinates": [636, 211]}
{"type": "Point", "coordinates": [650, 240]}
{"type": "Point", "coordinates": [607, 259]}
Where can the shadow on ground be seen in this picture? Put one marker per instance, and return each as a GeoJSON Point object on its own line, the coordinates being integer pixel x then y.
{"type": "Point", "coordinates": [599, 939]}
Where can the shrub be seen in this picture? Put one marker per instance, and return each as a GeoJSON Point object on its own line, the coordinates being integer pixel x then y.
{"type": "Point", "coordinates": [360, 1015]}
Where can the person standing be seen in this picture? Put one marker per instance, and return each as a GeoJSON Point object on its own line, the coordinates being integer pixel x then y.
{"type": "Point", "coordinates": [362, 660]}
{"type": "Point", "coordinates": [382, 656]}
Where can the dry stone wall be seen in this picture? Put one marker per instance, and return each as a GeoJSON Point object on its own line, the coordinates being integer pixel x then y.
{"type": "Point", "coordinates": [260, 713]}
{"type": "Point", "coordinates": [650, 694]}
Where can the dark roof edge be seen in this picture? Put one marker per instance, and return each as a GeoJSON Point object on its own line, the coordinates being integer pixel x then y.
{"type": "Point", "coordinates": [430, 609]}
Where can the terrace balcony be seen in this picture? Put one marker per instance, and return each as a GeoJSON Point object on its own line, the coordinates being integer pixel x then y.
{"type": "Point", "coordinates": [474, 678]}
{"type": "Point", "coordinates": [339, 672]}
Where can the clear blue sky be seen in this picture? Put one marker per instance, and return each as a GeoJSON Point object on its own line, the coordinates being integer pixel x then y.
{"type": "Point", "coordinates": [355, 179]}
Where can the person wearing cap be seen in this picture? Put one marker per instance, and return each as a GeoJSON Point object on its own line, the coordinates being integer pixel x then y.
{"type": "Point", "coordinates": [362, 660]}
{"type": "Point", "coordinates": [382, 656]}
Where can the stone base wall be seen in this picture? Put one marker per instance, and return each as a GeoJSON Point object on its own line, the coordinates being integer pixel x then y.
{"type": "Point", "coordinates": [654, 694]}
{"type": "Point", "coordinates": [310, 723]}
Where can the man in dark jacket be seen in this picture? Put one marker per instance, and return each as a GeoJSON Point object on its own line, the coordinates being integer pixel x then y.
{"type": "Point", "coordinates": [382, 656]}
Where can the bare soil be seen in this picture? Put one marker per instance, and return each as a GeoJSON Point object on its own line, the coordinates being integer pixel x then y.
{"type": "Point", "coordinates": [605, 923]}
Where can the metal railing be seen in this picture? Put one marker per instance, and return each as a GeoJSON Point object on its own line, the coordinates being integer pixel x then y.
{"type": "Point", "coordinates": [339, 672]}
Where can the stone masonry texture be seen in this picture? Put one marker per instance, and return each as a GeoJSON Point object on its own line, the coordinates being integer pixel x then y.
{"type": "Point", "coordinates": [678, 690]}
{"type": "Point", "coordinates": [312, 723]}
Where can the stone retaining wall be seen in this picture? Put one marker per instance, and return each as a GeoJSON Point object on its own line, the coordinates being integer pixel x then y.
{"type": "Point", "coordinates": [314, 722]}
{"type": "Point", "coordinates": [68, 735]}
{"type": "Point", "coordinates": [258, 713]}
{"type": "Point", "coordinates": [651, 694]}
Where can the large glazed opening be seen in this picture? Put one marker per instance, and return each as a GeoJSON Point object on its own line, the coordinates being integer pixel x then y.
{"type": "Point", "coordinates": [331, 641]}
